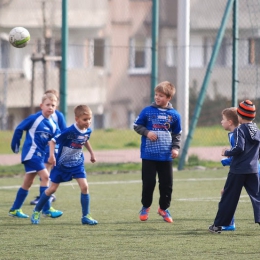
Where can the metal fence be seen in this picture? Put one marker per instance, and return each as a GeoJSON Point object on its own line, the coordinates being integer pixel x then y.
{"type": "Point", "coordinates": [109, 57]}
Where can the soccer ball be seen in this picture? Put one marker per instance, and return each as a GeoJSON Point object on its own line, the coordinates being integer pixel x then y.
{"type": "Point", "coordinates": [19, 37]}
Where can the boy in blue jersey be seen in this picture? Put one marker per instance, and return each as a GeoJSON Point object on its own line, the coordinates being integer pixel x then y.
{"type": "Point", "coordinates": [243, 168]}
{"type": "Point", "coordinates": [229, 122]}
{"type": "Point", "coordinates": [58, 117]}
{"type": "Point", "coordinates": [40, 128]}
{"type": "Point", "coordinates": [160, 127]}
{"type": "Point", "coordinates": [69, 163]}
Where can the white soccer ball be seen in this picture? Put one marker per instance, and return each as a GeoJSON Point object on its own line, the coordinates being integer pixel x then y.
{"type": "Point", "coordinates": [19, 37]}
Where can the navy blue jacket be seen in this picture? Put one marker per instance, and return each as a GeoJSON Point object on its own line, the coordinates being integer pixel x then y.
{"type": "Point", "coordinates": [246, 150]}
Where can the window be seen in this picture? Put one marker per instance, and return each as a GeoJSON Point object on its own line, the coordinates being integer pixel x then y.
{"type": "Point", "coordinates": [140, 55]}
{"type": "Point", "coordinates": [171, 53]}
{"type": "Point", "coordinates": [254, 51]}
{"type": "Point", "coordinates": [97, 54]}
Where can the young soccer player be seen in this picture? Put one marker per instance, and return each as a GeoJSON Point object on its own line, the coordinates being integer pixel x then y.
{"type": "Point", "coordinates": [40, 128]}
{"type": "Point", "coordinates": [160, 127]}
{"type": "Point", "coordinates": [229, 122]}
{"type": "Point", "coordinates": [243, 168]}
{"type": "Point", "coordinates": [58, 117]}
{"type": "Point", "coordinates": [69, 163]}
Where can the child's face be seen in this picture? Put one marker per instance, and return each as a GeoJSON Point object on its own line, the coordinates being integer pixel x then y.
{"type": "Point", "coordinates": [83, 122]}
{"type": "Point", "coordinates": [226, 124]}
{"type": "Point", "coordinates": [48, 107]}
{"type": "Point", "coordinates": [161, 99]}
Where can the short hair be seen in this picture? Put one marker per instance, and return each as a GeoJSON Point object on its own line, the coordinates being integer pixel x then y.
{"type": "Point", "coordinates": [81, 110]}
{"type": "Point", "coordinates": [231, 114]}
{"type": "Point", "coordinates": [53, 91]}
{"type": "Point", "coordinates": [50, 96]}
{"type": "Point", "coordinates": [166, 88]}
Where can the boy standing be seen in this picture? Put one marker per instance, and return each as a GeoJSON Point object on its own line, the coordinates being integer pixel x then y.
{"type": "Point", "coordinates": [160, 127]}
{"type": "Point", "coordinates": [229, 122]}
{"type": "Point", "coordinates": [70, 162]}
{"type": "Point", "coordinates": [40, 128]}
{"type": "Point", "coordinates": [243, 168]}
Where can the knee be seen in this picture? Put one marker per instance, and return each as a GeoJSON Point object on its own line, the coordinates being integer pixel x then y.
{"type": "Point", "coordinates": [84, 189]}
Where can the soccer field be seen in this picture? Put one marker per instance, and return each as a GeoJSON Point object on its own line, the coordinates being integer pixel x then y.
{"type": "Point", "coordinates": [115, 203]}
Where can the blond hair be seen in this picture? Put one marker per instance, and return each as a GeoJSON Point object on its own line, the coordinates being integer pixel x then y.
{"type": "Point", "coordinates": [166, 88]}
{"type": "Point", "coordinates": [49, 96]}
{"type": "Point", "coordinates": [81, 110]}
{"type": "Point", "coordinates": [231, 114]}
{"type": "Point", "coordinates": [53, 91]}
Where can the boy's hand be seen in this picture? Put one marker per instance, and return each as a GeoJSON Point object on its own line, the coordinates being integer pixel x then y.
{"type": "Point", "coordinates": [92, 158]}
{"type": "Point", "coordinates": [223, 151]}
{"type": "Point", "coordinates": [52, 160]}
{"type": "Point", "coordinates": [175, 153]}
{"type": "Point", "coordinates": [152, 136]}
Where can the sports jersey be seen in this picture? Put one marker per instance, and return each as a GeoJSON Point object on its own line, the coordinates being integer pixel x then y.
{"type": "Point", "coordinates": [227, 161]}
{"type": "Point", "coordinates": [39, 131]}
{"type": "Point", "coordinates": [166, 123]}
{"type": "Point", "coordinates": [71, 141]}
{"type": "Point", "coordinates": [245, 152]}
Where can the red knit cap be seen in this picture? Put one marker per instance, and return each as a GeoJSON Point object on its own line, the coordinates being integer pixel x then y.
{"type": "Point", "coordinates": [246, 110]}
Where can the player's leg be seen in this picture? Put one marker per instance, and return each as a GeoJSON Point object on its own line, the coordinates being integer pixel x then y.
{"type": "Point", "coordinates": [44, 203]}
{"type": "Point", "coordinates": [232, 225]}
{"type": "Point", "coordinates": [85, 202]}
{"type": "Point", "coordinates": [53, 197]}
{"type": "Point", "coordinates": [15, 210]}
{"type": "Point", "coordinates": [228, 202]}
{"type": "Point", "coordinates": [165, 176]}
{"type": "Point", "coordinates": [252, 188]}
{"type": "Point", "coordinates": [148, 185]}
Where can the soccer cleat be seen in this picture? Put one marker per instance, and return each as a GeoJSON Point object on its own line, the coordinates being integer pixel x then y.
{"type": "Point", "coordinates": [165, 214]}
{"type": "Point", "coordinates": [35, 218]}
{"type": "Point", "coordinates": [53, 213]}
{"type": "Point", "coordinates": [88, 220]}
{"type": "Point", "coordinates": [35, 201]}
{"type": "Point", "coordinates": [215, 229]}
{"type": "Point", "coordinates": [17, 213]}
{"type": "Point", "coordinates": [229, 228]}
{"type": "Point", "coordinates": [144, 213]}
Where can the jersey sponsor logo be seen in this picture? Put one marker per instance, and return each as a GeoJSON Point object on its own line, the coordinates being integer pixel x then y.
{"type": "Point", "coordinates": [161, 117]}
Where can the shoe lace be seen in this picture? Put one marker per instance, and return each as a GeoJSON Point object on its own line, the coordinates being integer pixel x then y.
{"type": "Point", "coordinates": [89, 217]}
{"type": "Point", "coordinates": [52, 209]}
{"type": "Point", "coordinates": [144, 211]}
{"type": "Point", "coordinates": [36, 215]}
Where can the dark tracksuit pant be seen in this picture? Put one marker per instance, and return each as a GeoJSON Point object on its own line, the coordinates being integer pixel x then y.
{"type": "Point", "coordinates": [165, 175]}
{"type": "Point", "coordinates": [232, 190]}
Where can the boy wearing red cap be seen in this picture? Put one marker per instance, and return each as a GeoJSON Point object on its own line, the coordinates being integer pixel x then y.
{"type": "Point", "coordinates": [243, 168]}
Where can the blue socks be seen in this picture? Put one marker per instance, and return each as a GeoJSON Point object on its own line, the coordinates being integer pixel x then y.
{"type": "Point", "coordinates": [85, 199]}
{"type": "Point", "coordinates": [20, 198]}
{"type": "Point", "coordinates": [43, 203]}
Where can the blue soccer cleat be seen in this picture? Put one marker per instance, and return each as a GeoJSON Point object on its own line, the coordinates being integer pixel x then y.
{"type": "Point", "coordinates": [229, 228]}
{"type": "Point", "coordinates": [88, 220]}
{"type": "Point", "coordinates": [17, 213]}
{"type": "Point", "coordinates": [35, 218]}
{"type": "Point", "coordinates": [53, 213]}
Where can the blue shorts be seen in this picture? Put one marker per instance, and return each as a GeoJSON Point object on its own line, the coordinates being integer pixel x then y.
{"type": "Point", "coordinates": [63, 174]}
{"type": "Point", "coordinates": [34, 165]}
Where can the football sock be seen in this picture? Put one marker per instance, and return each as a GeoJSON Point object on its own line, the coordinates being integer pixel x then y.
{"type": "Point", "coordinates": [44, 202]}
{"type": "Point", "coordinates": [20, 198]}
{"type": "Point", "coordinates": [84, 199]}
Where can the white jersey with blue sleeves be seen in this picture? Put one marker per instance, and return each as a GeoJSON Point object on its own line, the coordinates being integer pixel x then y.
{"type": "Point", "coordinates": [39, 131]}
{"type": "Point", "coordinates": [71, 142]}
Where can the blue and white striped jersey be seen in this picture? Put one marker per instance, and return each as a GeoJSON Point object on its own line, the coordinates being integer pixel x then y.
{"type": "Point", "coordinates": [71, 142]}
{"type": "Point", "coordinates": [39, 131]}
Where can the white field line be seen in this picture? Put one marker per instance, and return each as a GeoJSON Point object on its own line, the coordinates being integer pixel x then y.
{"type": "Point", "coordinates": [115, 182]}
{"type": "Point", "coordinates": [139, 181]}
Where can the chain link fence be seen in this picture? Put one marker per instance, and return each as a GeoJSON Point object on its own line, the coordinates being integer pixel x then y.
{"type": "Point", "coordinates": [109, 57]}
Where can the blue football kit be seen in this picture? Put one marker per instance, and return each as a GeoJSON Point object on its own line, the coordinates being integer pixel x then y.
{"type": "Point", "coordinates": [70, 158]}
